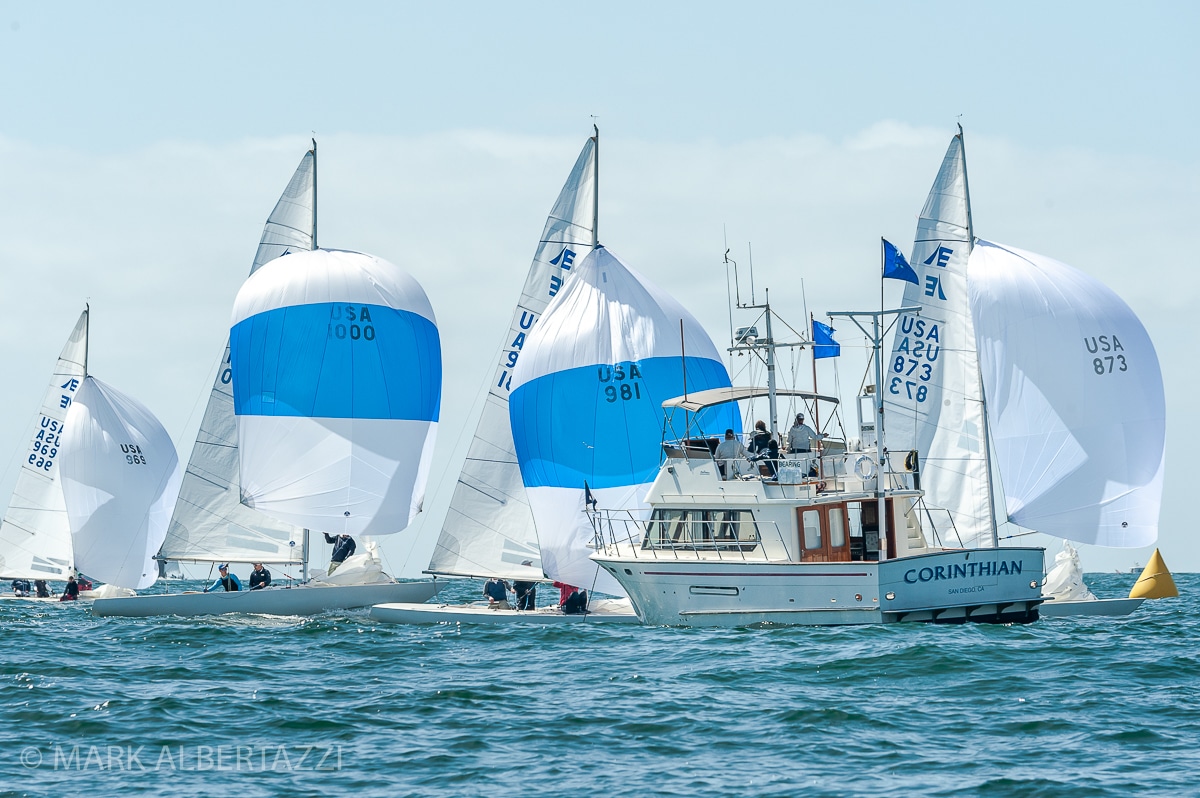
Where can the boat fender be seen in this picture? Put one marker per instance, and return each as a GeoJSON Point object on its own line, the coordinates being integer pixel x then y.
{"type": "Point", "coordinates": [864, 466]}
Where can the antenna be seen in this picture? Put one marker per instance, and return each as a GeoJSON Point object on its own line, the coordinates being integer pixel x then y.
{"type": "Point", "coordinates": [750, 250]}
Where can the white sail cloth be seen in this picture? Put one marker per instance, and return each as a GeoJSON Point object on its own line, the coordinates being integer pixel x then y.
{"type": "Point", "coordinates": [1075, 399]}
{"type": "Point", "coordinates": [337, 376]}
{"type": "Point", "coordinates": [1064, 580]}
{"type": "Point", "coordinates": [209, 522]}
{"type": "Point", "coordinates": [586, 405]}
{"type": "Point", "coordinates": [35, 536]}
{"type": "Point", "coordinates": [489, 528]}
{"type": "Point", "coordinates": [120, 476]}
{"type": "Point", "coordinates": [932, 396]}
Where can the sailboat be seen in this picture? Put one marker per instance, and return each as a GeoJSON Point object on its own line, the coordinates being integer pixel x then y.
{"type": "Point", "coordinates": [210, 522]}
{"type": "Point", "coordinates": [120, 477]}
{"type": "Point", "coordinates": [586, 405]}
{"type": "Point", "coordinates": [1025, 384]}
{"type": "Point", "coordinates": [35, 534]}
{"type": "Point", "coordinates": [489, 527]}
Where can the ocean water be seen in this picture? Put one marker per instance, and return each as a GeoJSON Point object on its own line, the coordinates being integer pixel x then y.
{"type": "Point", "coordinates": [340, 705]}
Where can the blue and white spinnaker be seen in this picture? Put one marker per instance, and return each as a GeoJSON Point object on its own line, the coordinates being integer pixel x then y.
{"type": "Point", "coordinates": [586, 404]}
{"type": "Point", "coordinates": [337, 375]}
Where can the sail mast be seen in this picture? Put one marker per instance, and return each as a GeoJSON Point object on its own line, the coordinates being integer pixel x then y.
{"type": "Point", "coordinates": [987, 434]}
{"type": "Point", "coordinates": [314, 212]}
{"type": "Point", "coordinates": [596, 189]}
{"type": "Point", "coordinates": [87, 328]}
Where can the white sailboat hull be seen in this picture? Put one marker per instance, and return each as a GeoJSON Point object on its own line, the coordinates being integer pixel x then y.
{"type": "Point", "coordinates": [302, 600]}
{"type": "Point", "coordinates": [681, 591]}
{"type": "Point", "coordinates": [1089, 607]}
{"type": "Point", "coordinates": [603, 611]}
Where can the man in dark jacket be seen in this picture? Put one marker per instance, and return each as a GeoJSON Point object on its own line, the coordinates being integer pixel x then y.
{"type": "Point", "coordinates": [343, 547]}
{"type": "Point", "coordinates": [260, 577]}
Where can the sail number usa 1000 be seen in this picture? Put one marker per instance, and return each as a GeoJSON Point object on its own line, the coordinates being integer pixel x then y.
{"type": "Point", "coordinates": [624, 385]}
{"type": "Point", "coordinates": [346, 321]}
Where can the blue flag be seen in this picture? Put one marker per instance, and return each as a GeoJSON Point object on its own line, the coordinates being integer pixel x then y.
{"type": "Point", "coordinates": [895, 266]}
{"type": "Point", "coordinates": [823, 343]}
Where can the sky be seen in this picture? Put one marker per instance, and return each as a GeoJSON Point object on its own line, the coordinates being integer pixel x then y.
{"type": "Point", "coordinates": [142, 146]}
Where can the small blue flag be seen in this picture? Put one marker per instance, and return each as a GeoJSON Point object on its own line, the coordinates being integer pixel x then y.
{"type": "Point", "coordinates": [588, 499]}
{"type": "Point", "coordinates": [895, 266]}
{"type": "Point", "coordinates": [823, 343]}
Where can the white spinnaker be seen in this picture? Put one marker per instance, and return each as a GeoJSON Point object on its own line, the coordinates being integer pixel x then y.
{"type": "Point", "coordinates": [932, 397]}
{"type": "Point", "coordinates": [336, 363]}
{"type": "Point", "coordinates": [35, 536]}
{"type": "Point", "coordinates": [586, 405]}
{"type": "Point", "coordinates": [489, 528]}
{"type": "Point", "coordinates": [120, 475]}
{"type": "Point", "coordinates": [210, 523]}
{"type": "Point", "coordinates": [1075, 399]}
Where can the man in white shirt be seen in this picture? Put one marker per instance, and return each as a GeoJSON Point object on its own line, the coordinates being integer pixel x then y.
{"type": "Point", "coordinates": [801, 436]}
{"type": "Point", "coordinates": [728, 455]}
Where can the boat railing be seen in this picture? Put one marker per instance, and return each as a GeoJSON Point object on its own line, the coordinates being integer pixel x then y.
{"type": "Point", "coordinates": [718, 534]}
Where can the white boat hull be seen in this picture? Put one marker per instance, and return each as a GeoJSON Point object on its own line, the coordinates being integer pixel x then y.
{"type": "Point", "coordinates": [301, 600]}
{"type": "Point", "coordinates": [1090, 607]}
{"type": "Point", "coordinates": [979, 585]}
{"type": "Point", "coordinates": [603, 611]}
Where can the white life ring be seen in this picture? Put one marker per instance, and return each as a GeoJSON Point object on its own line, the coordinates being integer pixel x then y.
{"type": "Point", "coordinates": [864, 466]}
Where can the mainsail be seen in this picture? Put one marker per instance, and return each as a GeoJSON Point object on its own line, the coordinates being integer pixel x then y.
{"type": "Point", "coordinates": [120, 475]}
{"type": "Point", "coordinates": [1075, 397]}
{"type": "Point", "coordinates": [933, 401]}
{"type": "Point", "coordinates": [35, 536]}
{"type": "Point", "coordinates": [586, 405]}
{"type": "Point", "coordinates": [489, 528]}
{"type": "Point", "coordinates": [210, 523]}
{"type": "Point", "coordinates": [337, 375]}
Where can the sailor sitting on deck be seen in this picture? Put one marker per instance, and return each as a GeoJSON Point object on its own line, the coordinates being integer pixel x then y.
{"type": "Point", "coordinates": [729, 454]}
{"type": "Point", "coordinates": [71, 591]}
{"type": "Point", "coordinates": [20, 587]}
{"type": "Point", "coordinates": [260, 577]}
{"type": "Point", "coordinates": [227, 580]}
{"type": "Point", "coordinates": [571, 600]}
{"type": "Point", "coordinates": [496, 591]}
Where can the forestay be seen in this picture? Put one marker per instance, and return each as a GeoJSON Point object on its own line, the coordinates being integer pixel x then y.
{"type": "Point", "coordinates": [35, 536]}
{"type": "Point", "coordinates": [337, 374]}
{"type": "Point", "coordinates": [1075, 399]}
{"type": "Point", "coordinates": [587, 400]}
{"type": "Point", "coordinates": [209, 522]}
{"type": "Point", "coordinates": [489, 528]}
{"type": "Point", "coordinates": [932, 396]}
{"type": "Point", "coordinates": [120, 476]}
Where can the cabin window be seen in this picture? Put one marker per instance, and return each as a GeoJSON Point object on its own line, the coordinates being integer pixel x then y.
{"type": "Point", "coordinates": [701, 529]}
{"type": "Point", "coordinates": [812, 529]}
{"type": "Point", "coordinates": [837, 527]}
{"type": "Point", "coordinates": [666, 527]}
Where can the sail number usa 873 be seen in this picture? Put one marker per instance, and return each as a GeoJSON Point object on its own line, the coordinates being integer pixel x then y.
{"type": "Point", "coordinates": [1106, 363]}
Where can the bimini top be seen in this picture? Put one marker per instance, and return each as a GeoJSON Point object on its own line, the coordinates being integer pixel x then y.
{"type": "Point", "coordinates": [695, 402]}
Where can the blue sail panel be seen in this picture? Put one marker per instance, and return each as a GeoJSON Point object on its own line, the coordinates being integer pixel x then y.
{"type": "Point", "coordinates": [603, 424]}
{"type": "Point", "coordinates": [337, 360]}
